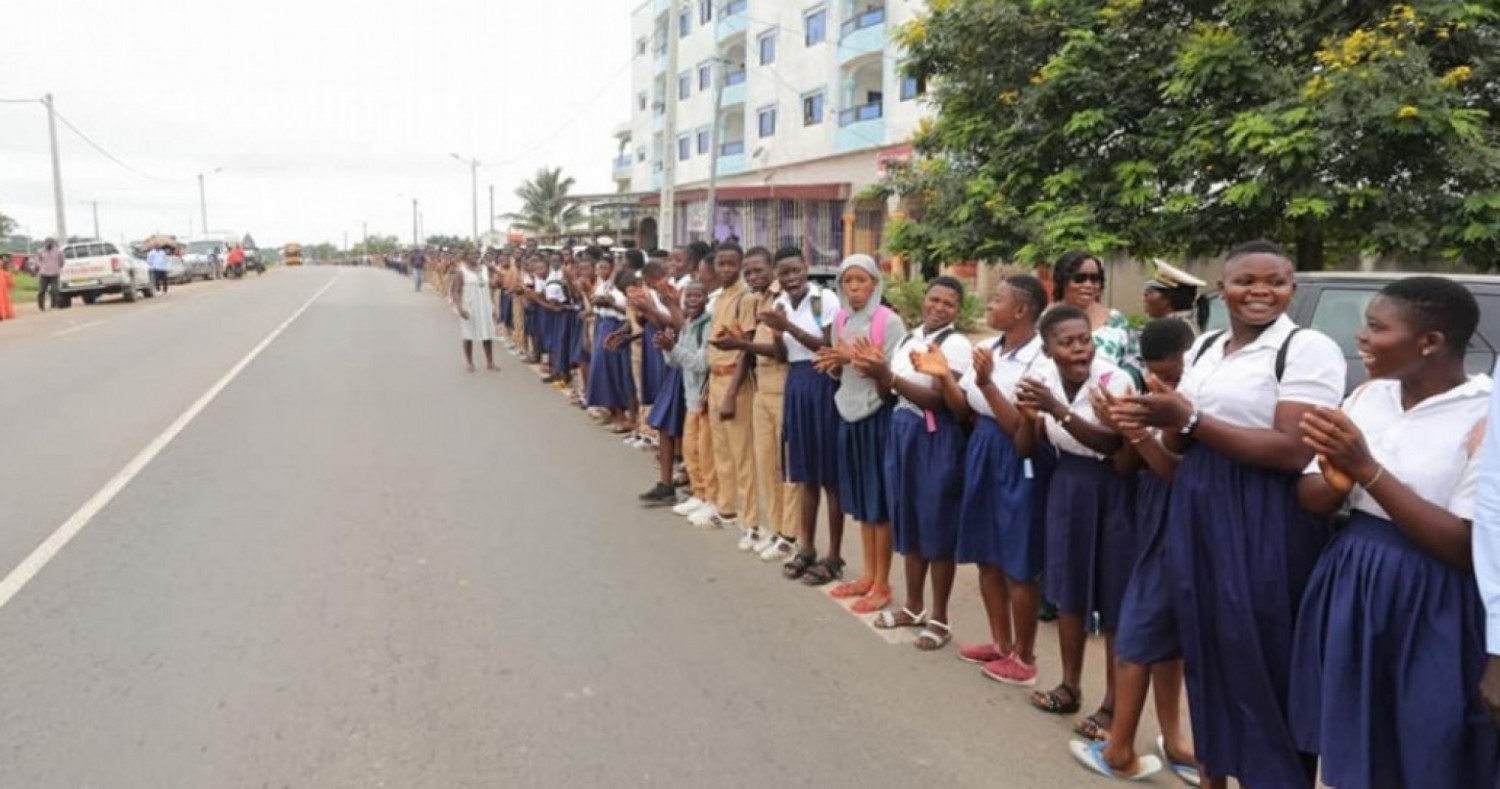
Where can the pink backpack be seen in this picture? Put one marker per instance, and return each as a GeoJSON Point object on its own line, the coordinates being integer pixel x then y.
{"type": "Point", "coordinates": [877, 324]}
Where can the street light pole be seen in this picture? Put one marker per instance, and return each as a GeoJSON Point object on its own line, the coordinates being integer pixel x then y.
{"type": "Point", "coordinates": [473, 191]}
{"type": "Point", "coordinates": [203, 199]}
{"type": "Point", "coordinates": [57, 188]}
{"type": "Point", "coordinates": [492, 209]}
{"type": "Point", "coordinates": [96, 217]}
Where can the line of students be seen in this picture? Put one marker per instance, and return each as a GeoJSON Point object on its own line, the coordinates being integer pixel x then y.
{"type": "Point", "coordinates": [1177, 489]}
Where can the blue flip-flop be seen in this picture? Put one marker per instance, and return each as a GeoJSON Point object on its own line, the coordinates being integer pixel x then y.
{"type": "Point", "coordinates": [1091, 756]}
{"type": "Point", "coordinates": [1187, 773]}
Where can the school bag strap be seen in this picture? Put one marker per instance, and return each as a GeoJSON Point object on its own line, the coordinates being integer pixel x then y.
{"type": "Point", "coordinates": [1281, 353]}
{"type": "Point", "coordinates": [877, 324]}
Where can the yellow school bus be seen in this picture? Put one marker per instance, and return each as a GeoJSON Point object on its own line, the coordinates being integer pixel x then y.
{"type": "Point", "coordinates": [291, 254]}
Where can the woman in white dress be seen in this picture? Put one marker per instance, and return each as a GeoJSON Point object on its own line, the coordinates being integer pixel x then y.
{"type": "Point", "coordinates": [470, 295]}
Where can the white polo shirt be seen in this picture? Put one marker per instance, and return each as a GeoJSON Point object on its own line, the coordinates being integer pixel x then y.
{"type": "Point", "coordinates": [553, 289]}
{"type": "Point", "coordinates": [803, 317]}
{"type": "Point", "coordinates": [1242, 389]}
{"type": "Point", "coordinates": [1102, 375]}
{"type": "Point", "coordinates": [1431, 447]}
{"type": "Point", "coordinates": [956, 347]}
{"type": "Point", "coordinates": [1486, 532]}
{"type": "Point", "coordinates": [608, 290]}
{"type": "Point", "coordinates": [1010, 368]}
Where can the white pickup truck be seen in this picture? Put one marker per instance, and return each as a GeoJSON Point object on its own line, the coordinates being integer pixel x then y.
{"type": "Point", "coordinates": [94, 268]}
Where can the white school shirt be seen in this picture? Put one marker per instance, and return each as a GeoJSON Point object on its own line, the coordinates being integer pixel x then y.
{"type": "Point", "coordinates": [1010, 368]}
{"type": "Point", "coordinates": [1426, 446]}
{"type": "Point", "coordinates": [608, 290]}
{"type": "Point", "coordinates": [1486, 531]}
{"type": "Point", "coordinates": [802, 317]}
{"type": "Point", "coordinates": [1242, 388]}
{"type": "Point", "coordinates": [955, 347]}
{"type": "Point", "coordinates": [553, 289]}
{"type": "Point", "coordinates": [1102, 374]}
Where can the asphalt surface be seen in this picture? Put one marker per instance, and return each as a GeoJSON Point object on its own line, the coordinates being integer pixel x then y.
{"type": "Point", "coordinates": [359, 566]}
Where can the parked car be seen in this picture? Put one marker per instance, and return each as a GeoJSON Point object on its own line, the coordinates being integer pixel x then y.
{"type": "Point", "coordinates": [95, 268]}
{"type": "Point", "coordinates": [205, 258]}
{"type": "Point", "coordinates": [1334, 303]}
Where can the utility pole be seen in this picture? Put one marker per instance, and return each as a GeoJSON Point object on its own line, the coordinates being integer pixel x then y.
{"type": "Point", "coordinates": [203, 203]}
{"type": "Point", "coordinates": [713, 149]}
{"type": "Point", "coordinates": [57, 189]}
{"type": "Point", "coordinates": [473, 191]}
{"type": "Point", "coordinates": [96, 217]}
{"type": "Point", "coordinates": [492, 209]}
{"type": "Point", "coordinates": [414, 241]}
{"type": "Point", "coordinates": [666, 232]}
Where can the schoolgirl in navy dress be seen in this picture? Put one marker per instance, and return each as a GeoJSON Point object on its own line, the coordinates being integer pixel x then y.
{"type": "Point", "coordinates": [802, 318]}
{"type": "Point", "coordinates": [924, 463]}
{"type": "Point", "coordinates": [668, 414]}
{"type": "Point", "coordinates": [1089, 526]}
{"type": "Point", "coordinates": [611, 382]}
{"type": "Point", "coordinates": [580, 286]}
{"type": "Point", "coordinates": [1146, 643]}
{"type": "Point", "coordinates": [864, 333]}
{"type": "Point", "coordinates": [1390, 640]}
{"type": "Point", "coordinates": [1001, 528]}
{"type": "Point", "coordinates": [557, 327]}
{"type": "Point", "coordinates": [1239, 546]}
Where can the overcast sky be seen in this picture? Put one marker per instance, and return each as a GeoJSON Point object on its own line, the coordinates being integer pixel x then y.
{"type": "Point", "coordinates": [319, 112]}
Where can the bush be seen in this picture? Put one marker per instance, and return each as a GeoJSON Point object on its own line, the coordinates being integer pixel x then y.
{"type": "Point", "coordinates": [906, 295]}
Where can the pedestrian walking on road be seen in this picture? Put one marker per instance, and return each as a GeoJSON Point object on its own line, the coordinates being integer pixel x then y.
{"type": "Point", "coordinates": [49, 263]}
{"type": "Point", "coordinates": [418, 265]}
{"type": "Point", "coordinates": [470, 295]}
{"type": "Point", "coordinates": [156, 260]}
{"type": "Point", "coordinates": [7, 281]}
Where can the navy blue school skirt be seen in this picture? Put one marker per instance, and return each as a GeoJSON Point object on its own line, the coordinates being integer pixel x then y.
{"type": "Point", "coordinates": [669, 410]}
{"type": "Point", "coordinates": [1090, 538]}
{"type": "Point", "coordinates": [530, 323]}
{"type": "Point", "coordinates": [547, 337]}
{"type": "Point", "coordinates": [578, 356]}
{"type": "Point", "coordinates": [1148, 618]}
{"type": "Point", "coordinates": [507, 308]}
{"type": "Point", "coordinates": [862, 448]}
{"type": "Point", "coordinates": [810, 427]}
{"type": "Point", "coordinates": [560, 347]}
{"type": "Point", "coordinates": [653, 365]}
{"type": "Point", "coordinates": [924, 478]}
{"type": "Point", "coordinates": [1002, 521]}
{"type": "Point", "coordinates": [1386, 662]}
{"type": "Point", "coordinates": [1240, 550]}
{"type": "Point", "coordinates": [611, 383]}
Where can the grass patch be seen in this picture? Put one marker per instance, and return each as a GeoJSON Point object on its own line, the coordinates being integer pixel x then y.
{"type": "Point", "coordinates": [25, 288]}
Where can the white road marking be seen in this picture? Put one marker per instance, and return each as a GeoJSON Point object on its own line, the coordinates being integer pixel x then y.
{"type": "Point", "coordinates": [81, 327]}
{"type": "Point", "coordinates": [50, 547]}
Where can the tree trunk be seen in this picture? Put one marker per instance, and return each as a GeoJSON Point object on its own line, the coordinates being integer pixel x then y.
{"type": "Point", "coordinates": [1309, 245]}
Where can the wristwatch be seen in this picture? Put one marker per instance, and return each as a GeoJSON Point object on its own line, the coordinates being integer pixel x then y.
{"type": "Point", "coordinates": [1191, 426]}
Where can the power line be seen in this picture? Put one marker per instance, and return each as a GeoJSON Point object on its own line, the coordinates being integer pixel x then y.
{"type": "Point", "coordinates": [584, 107]}
{"type": "Point", "coordinates": [107, 154]}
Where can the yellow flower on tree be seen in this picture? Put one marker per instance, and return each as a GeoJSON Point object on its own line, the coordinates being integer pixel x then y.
{"type": "Point", "coordinates": [1407, 112]}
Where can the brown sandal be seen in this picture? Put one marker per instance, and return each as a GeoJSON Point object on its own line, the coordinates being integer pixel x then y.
{"type": "Point", "coordinates": [1061, 700]}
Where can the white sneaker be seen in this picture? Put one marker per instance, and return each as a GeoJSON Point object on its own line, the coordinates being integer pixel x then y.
{"type": "Point", "coordinates": [632, 441]}
{"type": "Point", "coordinates": [781, 549]}
{"type": "Point", "coordinates": [749, 538]}
{"type": "Point", "coordinates": [767, 539]}
{"type": "Point", "coordinates": [686, 508]}
{"type": "Point", "coordinates": [708, 517]}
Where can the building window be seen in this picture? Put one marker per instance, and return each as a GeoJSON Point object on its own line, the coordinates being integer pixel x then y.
{"type": "Point", "coordinates": [640, 101]}
{"type": "Point", "coordinates": [767, 121]}
{"type": "Point", "coordinates": [768, 48]}
{"type": "Point", "coordinates": [684, 85]}
{"type": "Point", "coordinates": [812, 109]}
{"type": "Point", "coordinates": [684, 148]}
{"type": "Point", "coordinates": [640, 154]}
{"type": "Point", "coordinates": [817, 26]}
{"type": "Point", "coordinates": [705, 76]}
{"type": "Point", "coordinates": [684, 23]}
{"type": "Point", "coordinates": [705, 11]}
{"type": "Point", "coordinates": [912, 87]}
{"type": "Point", "coordinates": [703, 140]}
{"type": "Point", "coordinates": [640, 46]}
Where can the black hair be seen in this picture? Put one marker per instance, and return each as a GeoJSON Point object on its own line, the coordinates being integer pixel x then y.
{"type": "Point", "coordinates": [591, 254]}
{"type": "Point", "coordinates": [786, 253]}
{"type": "Point", "coordinates": [758, 252]}
{"type": "Point", "coordinates": [1031, 291]}
{"type": "Point", "coordinates": [652, 270]}
{"type": "Point", "coordinates": [1058, 315]}
{"type": "Point", "coordinates": [1068, 265]}
{"type": "Point", "coordinates": [1437, 304]}
{"type": "Point", "coordinates": [626, 277]}
{"type": "Point", "coordinates": [730, 247]}
{"type": "Point", "coordinates": [1257, 247]}
{"type": "Point", "coordinates": [1179, 297]}
{"type": "Point", "coordinates": [657, 254]}
{"type": "Point", "coordinates": [1164, 338]}
{"type": "Point", "coordinates": [950, 283]}
{"type": "Point", "coordinates": [635, 258]}
{"type": "Point", "coordinates": [697, 251]}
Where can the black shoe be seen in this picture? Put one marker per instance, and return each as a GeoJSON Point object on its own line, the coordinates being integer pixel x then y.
{"type": "Point", "coordinates": [659, 496]}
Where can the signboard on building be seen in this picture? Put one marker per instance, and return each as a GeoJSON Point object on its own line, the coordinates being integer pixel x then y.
{"type": "Point", "coordinates": [896, 154]}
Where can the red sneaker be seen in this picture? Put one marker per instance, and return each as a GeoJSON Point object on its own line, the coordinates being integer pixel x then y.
{"type": "Point", "coordinates": [1011, 671]}
{"type": "Point", "coordinates": [980, 654]}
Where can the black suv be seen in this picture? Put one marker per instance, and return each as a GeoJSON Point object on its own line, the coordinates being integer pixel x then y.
{"type": "Point", "coordinates": [1334, 303]}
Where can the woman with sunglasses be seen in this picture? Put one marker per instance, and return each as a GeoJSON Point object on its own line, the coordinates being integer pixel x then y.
{"type": "Point", "coordinates": [1078, 280]}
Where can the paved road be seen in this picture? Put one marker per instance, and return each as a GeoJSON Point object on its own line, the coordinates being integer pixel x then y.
{"type": "Point", "coordinates": [359, 566]}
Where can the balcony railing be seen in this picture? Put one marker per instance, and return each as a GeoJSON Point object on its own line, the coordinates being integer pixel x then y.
{"type": "Point", "coordinates": [869, 18]}
{"type": "Point", "coordinates": [732, 148]}
{"type": "Point", "coordinates": [864, 112]}
{"type": "Point", "coordinates": [736, 7]}
{"type": "Point", "coordinates": [735, 77]}
{"type": "Point", "coordinates": [624, 162]}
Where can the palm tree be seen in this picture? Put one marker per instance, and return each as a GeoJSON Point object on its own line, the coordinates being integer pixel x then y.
{"type": "Point", "coordinates": [546, 208]}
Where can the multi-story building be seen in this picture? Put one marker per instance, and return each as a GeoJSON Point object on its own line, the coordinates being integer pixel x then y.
{"type": "Point", "coordinates": [810, 105]}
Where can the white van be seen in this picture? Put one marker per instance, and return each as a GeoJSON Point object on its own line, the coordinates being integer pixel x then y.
{"type": "Point", "coordinates": [94, 268]}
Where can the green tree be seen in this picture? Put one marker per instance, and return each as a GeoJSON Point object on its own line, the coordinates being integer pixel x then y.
{"type": "Point", "coordinates": [7, 225]}
{"type": "Point", "coordinates": [546, 208]}
{"type": "Point", "coordinates": [377, 245]}
{"type": "Point", "coordinates": [448, 242]}
{"type": "Point", "coordinates": [1184, 127]}
{"type": "Point", "coordinates": [323, 251]}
